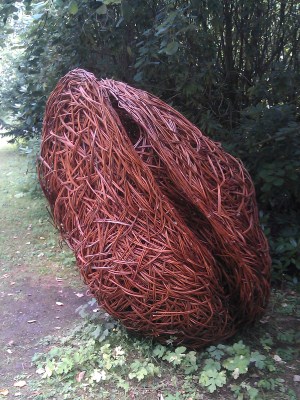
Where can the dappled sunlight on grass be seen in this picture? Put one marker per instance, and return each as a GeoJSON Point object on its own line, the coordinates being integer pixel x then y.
{"type": "Point", "coordinates": [4, 145]}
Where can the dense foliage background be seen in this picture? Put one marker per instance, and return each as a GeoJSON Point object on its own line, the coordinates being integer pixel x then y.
{"type": "Point", "coordinates": [232, 67]}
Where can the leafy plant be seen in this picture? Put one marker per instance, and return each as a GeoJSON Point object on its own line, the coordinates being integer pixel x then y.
{"type": "Point", "coordinates": [103, 353]}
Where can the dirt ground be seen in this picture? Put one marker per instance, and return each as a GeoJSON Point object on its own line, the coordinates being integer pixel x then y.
{"type": "Point", "coordinates": [36, 298]}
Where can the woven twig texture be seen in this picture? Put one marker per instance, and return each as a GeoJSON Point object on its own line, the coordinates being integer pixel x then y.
{"type": "Point", "coordinates": [162, 221]}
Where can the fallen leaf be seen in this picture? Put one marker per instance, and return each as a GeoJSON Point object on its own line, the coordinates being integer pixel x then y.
{"type": "Point", "coordinates": [80, 376]}
{"type": "Point", "coordinates": [4, 392]}
{"type": "Point", "coordinates": [40, 371]}
{"type": "Point", "coordinates": [296, 378]}
{"type": "Point", "coordinates": [236, 373]}
{"type": "Point", "coordinates": [98, 375]}
{"type": "Point", "coordinates": [20, 384]}
{"type": "Point", "coordinates": [265, 320]}
{"type": "Point", "coordinates": [19, 195]}
{"type": "Point", "coordinates": [48, 372]}
{"type": "Point", "coordinates": [58, 303]}
{"type": "Point", "coordinates": [31, 321]}
{"type": "Point", "coordinates": [79, 294]}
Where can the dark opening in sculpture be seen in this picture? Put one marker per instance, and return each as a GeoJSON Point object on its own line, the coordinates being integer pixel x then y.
{"type": "Point", "coordinates": [162, 221]}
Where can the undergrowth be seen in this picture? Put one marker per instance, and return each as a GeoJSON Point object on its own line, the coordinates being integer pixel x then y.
{"type": "Point", "coordinates": [100, 359]}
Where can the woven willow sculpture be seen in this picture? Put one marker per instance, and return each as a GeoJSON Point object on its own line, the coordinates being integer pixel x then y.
{"type": "Point", "coordinates": [162, 221]}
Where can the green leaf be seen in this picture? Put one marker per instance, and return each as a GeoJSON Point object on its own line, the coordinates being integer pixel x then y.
{"type": "Point", "coordinates": [138, 77]}
{"type": "Point", "coordinates": [180, 350]}
{"type": "Point", "coordinates": [73, 8]}
{"type": "Point", "coordinates": [36, 17]}
{"type": "Point", "coordinates": [104, 335]}
{"type": "Point", "coordinates": [159, 350]}
{"type": "Point", "coordinates": [239, 348]}
{"type": "Point", "coordinates": [215, 352]}
{"type": "Point", "coordinates": [102, 10]}
{"type": "Point", "coordinates": [13, 9]}
{"type": "Point", "coordinates": [240, 362]}
{"type": "Point", "coordinates": [141, 373]}
{"type": "Point", "coordinates": [111, 2]}
{"type": "Point", "coordinates": [212, 379]}
{"type": "Point", "coordinates": [212, 365]}
{"type": "Point", "coordinates": [278, 182]}
{"type": "Point", "coordinates": [259, 359]}
{"type": "Point", "coordinates": [171, 48]}
{"type": "Point", "coordinates": [253, 393]}
{"type": "Point", "coordinates": [96, 332]}
{"type": "Point", "coordinates": [161, 28]}
{"type": "Point", "coordinates": [123, 385]}
{"type": "Point", "coordinates": [173, 358]}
